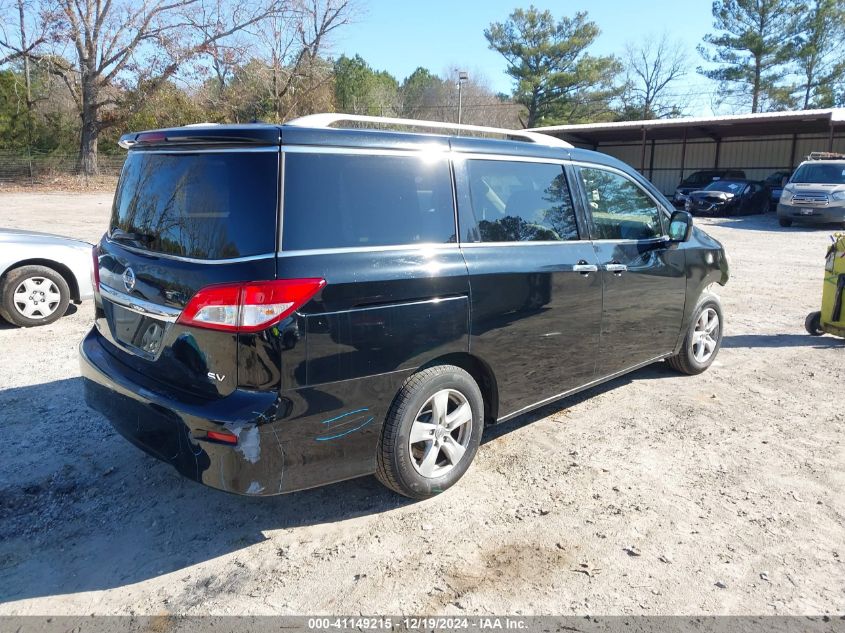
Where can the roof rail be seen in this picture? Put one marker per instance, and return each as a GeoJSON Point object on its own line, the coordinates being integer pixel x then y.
{"type": "Point", "coordinates": [329, 118]}
{"type": "Point", "coordinates": [825, 156]}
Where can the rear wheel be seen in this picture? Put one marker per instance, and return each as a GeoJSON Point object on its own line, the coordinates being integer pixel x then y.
{"type": "Point", "coordinates": [431, 433]}
{"type": "Point", "coordinates": [33, 295]}
{"type": "Point", "coordinates": [784, 222]}
{"type": "Point", "coordinates": [813, 324]}
{"type": "Point", "coordinates": [703, 339]}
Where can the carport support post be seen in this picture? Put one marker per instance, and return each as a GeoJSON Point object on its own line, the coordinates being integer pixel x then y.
{"type": "Point", "coordinates": [792, 152]}
{"type": "Point", "coordinates": [830, 138]}
{"type": "Point", "coordinates": [651, 162]}
{"type": "Point", "coordinates": [642, 155]}
{"type": "Point", "coordinates": [718, 151]}
{"type": "Point", "coordinates": [683, 153]}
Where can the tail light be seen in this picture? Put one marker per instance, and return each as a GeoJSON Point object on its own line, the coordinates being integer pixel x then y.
{"type": "Point", "coordinates": [248, 307]}
{"type": "Point", "coordinates": [95, 271]}
{"type": "Point", "coordinates": [222, 436]}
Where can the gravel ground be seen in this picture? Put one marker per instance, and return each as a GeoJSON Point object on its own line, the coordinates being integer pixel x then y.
{"type": "Point", "coordinates": [654, 494]}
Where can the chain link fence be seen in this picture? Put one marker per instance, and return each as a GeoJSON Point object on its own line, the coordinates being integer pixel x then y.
{"type": "Point", "coordinates": [34, 168]}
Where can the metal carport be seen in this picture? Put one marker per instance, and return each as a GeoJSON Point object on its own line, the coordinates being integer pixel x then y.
{"type": "Point", "coordinates": [667, 150]}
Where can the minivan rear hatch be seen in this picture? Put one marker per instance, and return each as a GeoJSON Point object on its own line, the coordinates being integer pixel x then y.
{"type": "Point", "coordinates": [185, 217]}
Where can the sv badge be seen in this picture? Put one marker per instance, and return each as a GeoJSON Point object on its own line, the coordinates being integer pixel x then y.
{"type": "Point", "coordinates": [217, 377]}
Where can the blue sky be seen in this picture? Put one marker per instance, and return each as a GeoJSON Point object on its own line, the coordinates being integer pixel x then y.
{"type": "Point", "coordinates": [398, 36]}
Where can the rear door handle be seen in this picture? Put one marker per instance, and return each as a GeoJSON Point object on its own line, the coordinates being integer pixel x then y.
{"type": "Point", "coordinates": [584, 268]}
{"type": "Point", "coordinates": [615, 267]}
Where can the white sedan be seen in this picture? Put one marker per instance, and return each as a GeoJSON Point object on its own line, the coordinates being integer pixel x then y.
{"type": "Point", "coordinates": [40, 274]}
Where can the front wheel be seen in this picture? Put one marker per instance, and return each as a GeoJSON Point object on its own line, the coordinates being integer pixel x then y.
{"type": "Point", "coordinates": [431, 433]}
{"type": "Point", "coordinates": [703, 339]}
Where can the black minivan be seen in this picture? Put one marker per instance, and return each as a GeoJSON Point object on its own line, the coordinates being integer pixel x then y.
{"type": "Point", "coordinates": [284, 306]}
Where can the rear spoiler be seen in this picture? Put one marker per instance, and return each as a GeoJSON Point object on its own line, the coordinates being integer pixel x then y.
{"type": "Point", "coordinates": [205, 134]}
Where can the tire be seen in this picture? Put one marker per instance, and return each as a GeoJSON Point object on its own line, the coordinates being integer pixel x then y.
{"type": "Point", "coordinates": [813, 324]}
{"type": "Point", "coordinates": [33, 295]}
{"type": "Point", "coordinates": [403, 467]}
{"type": "Point", "coordinates": [784, 222]}
{"type": "Point", "coordinates": [690, 360]}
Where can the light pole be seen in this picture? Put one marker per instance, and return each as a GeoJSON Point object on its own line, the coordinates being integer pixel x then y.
{"type": "Point", "coordinates": [462, 77]}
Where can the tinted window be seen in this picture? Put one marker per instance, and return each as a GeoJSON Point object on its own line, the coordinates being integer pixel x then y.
{"type": "Point", "coordinates": [336, 200]}
{"type": "Point", "coordinates": [518, 201]}
{"type": "Point", "coordinates": [699, 178]}
{"type": "Point", "coordinates": [208, 206]}
{"type": "Point", "coordinates": [620, 208]}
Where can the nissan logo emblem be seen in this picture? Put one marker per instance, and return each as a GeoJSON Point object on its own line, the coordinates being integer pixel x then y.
{"type": "Point", "coordinates": [129, 279]}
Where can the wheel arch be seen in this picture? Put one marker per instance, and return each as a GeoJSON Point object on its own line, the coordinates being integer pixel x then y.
{"type": "Point", "coordinates": [483, 375]}
{"type": "Point", "coordinates": [60, 268]}
{"type": "Point", "coordinates": [707, 290]}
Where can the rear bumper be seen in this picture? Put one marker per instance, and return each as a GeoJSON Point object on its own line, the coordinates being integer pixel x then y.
{"type": "Point", "coordinates": [282, 443]}
{"type": "Point", "coordinates": [820, 215]}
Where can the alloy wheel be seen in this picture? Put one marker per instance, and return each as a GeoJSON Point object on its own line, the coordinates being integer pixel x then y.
{"type": "Point", "coordinates": [705, 336]}
{"type": "Point", "coordinates": [440, 433]}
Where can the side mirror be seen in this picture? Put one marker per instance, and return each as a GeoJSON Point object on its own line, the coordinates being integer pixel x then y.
{"type": "Point", "coordinates": [680, 226]}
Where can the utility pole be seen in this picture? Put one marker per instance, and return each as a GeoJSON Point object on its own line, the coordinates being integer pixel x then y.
{"type": "Point", "coordinates": [462, 77]}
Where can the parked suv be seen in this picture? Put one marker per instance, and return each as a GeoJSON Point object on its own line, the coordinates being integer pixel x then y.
{"type": "Point", "coordinates": [815, 193]}
{"type": "Point", "coordinates": [698, 180]}
{"type": "Point", "coordinates": [281, 307]}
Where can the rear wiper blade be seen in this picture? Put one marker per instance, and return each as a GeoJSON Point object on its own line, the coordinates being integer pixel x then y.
{"type": "Point", "coordinates": [131, 236]}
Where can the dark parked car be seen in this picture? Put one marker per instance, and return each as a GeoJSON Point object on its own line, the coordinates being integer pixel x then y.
{"type": "Point", "coordinates": [281, 307]}
{"type": "Point", "coordinates": [729, 197]}
{"type": "Point", "coordinates": [775, 182]}
{"type": "Point", "coordinates": [698, 180]}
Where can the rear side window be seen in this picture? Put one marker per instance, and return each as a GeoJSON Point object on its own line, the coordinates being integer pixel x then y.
{"type": "Point", "coordinates": [516, 201]}
{"type": "Point", "coordinates": [206, 206]}
{"type": "Point", "coordinates": [620, 209]}
{"type": "Point", "coordinates": [349, 200]}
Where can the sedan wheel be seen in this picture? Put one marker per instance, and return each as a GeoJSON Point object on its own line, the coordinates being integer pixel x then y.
{"type": "Point", "coordinates": [33, 295]}
{"type": "Point", "coordinates": [36, 298]}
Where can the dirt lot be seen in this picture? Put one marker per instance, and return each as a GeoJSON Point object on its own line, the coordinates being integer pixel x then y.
{"type": "Point", "coordinates": [654, 494]}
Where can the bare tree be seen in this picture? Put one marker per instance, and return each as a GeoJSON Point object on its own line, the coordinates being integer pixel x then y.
{"type": "Point", "coordinates": [651, 67]}
{"type": "Point", "coordinates": [25, 28]}
{"type": "Point", "coordinates": [291, 43]}
{"type": "Point", "coordinates": [121, 43]}
{"type": "Point", "coordinates": [35, 28]}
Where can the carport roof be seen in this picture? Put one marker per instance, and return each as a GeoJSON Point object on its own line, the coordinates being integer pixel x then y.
{"type": "Point", "coordinates": [717, 127]}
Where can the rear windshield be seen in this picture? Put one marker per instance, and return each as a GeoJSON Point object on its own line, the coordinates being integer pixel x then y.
{"type": "Point", "coordinates": [206, 206]}
{"type": "Point", "coordinates": [821, 174]}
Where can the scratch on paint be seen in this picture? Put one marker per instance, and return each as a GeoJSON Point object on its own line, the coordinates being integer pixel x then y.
{"type": "Point", "coordinates": [343, 415]}
{"type": "Point", "coordinates": [334, 437]}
